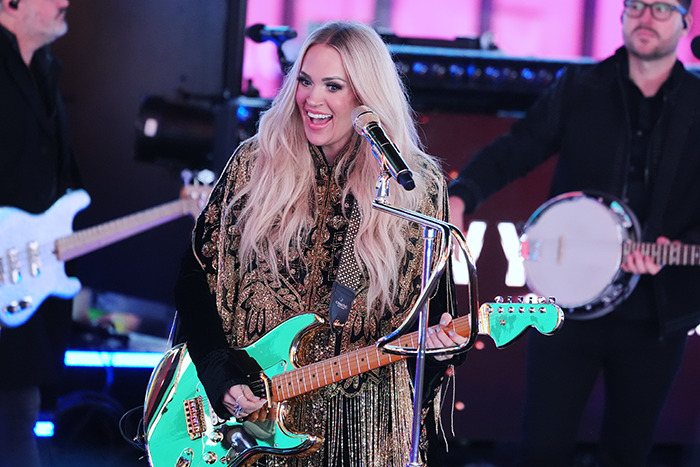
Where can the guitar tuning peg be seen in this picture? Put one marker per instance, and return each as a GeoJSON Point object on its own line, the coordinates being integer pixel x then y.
{"type": "Point", "coordinates": [510, 299]}
{"type": "Point", "coordinates": [552, 300]}
{"type": "Point", "coordinates": [186, 175]}
{"type": "Point", "coordinates": [541, 300]}
{"type": "Point", "coordinates": [498, 299]}
{"type": "Point", "coordinates": [206, 177]}
{"type": "Point", "coordinates": [520, 299]}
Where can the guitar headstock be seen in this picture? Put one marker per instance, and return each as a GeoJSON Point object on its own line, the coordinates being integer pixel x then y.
{"type": "Point", "coordinates": [505, 320]}
{"type": "Point", "coordinates": [195, 198]}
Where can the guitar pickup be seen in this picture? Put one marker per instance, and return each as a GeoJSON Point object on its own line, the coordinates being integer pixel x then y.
{"type": "Point", "coordinates": [194, 417]}
{"type": "Point", "coordinates": [13, 263]}
{"type": "Point", "coordinates": [34, 258]}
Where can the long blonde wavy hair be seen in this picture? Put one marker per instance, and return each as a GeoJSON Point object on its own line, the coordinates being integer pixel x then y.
{"type": "Point", "coordinates": [280, 209]}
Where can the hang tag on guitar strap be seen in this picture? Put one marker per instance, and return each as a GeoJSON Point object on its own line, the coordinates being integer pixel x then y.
{"type": "Point", "coordinates": [341, 302]}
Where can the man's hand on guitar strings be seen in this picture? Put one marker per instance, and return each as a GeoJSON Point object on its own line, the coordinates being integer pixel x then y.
{"type": "Point", "coordinates": [242, 403]}
{"type": "Point", "coordinates": [636, 263]}
{"type": "Point", "coordinates": [443, 335]}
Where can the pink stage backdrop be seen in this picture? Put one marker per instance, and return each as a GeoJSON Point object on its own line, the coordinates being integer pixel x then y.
{"type": "Point", "coordinates": [536, 28]}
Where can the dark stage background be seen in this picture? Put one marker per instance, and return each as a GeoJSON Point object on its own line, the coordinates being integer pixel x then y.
{"type": "Point", "coordinates": [114, 54]}
{"type": "Point", "coordinates": [119, 51]}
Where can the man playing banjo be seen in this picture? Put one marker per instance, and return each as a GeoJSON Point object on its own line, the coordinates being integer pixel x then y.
{"type": "Point", "coordinates": [627, 134]}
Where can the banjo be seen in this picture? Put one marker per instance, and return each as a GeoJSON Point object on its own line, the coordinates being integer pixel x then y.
{"type": "Point", "coordinates": [573, 246]}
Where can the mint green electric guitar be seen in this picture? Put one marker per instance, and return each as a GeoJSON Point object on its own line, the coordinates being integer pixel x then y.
{"type": "Point", "coordinates": [181, 429]}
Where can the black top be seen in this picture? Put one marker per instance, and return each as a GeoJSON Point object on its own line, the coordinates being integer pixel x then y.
{"type": "Point", "coordinates": [36, 168]}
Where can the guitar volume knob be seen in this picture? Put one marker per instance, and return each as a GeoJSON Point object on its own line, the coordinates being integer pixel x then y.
{"type": "Point", "coordinates": [216, 436]}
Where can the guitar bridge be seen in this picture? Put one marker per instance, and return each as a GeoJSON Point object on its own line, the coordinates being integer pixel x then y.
{"type": "Point", "coordinates": [194, 417]}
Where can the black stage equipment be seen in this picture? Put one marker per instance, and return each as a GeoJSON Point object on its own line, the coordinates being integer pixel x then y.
{"type": "Point", "coordinates": [471, 75]}
{"type": "Point", "coordinates": [277, 34]}
{"type": "Point", "coordinates": [192, 132]}
{"type": "Point", "coordinates": [175, 133]}
{"type": "Point", "coordinates": [695, 46]}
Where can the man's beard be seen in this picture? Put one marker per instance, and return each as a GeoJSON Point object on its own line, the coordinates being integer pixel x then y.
{"type": "Point", "coordinates": [58, 31]}
{"type": "Point", "coordinates": [655, 54]}
{"type": "Point", "coordinates": [662, 50]}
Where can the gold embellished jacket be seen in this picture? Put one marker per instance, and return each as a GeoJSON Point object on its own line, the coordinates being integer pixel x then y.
{"type": "Point", "coordinates": [364, 420]}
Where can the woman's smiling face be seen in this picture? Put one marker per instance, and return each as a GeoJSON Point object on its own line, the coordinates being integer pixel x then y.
{"type": "Point", "coordinates": [325, 99]}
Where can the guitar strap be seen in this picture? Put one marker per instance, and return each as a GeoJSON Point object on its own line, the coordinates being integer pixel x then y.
{"type": "Point", "coordinates": [348, 278]}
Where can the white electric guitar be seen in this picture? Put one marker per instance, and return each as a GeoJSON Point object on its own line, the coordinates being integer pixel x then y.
{"type": "Point", "coordinates": [33, 247]}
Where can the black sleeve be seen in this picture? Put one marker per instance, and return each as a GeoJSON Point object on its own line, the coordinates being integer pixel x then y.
{"type": "Point", "coordinates": [530, 142]}
{"type": "Point", "coordinates": [199, 325]}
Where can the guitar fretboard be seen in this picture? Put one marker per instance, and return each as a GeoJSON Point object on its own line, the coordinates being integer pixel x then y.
{"type": "Point", "coordinates": [315, 376]}
{"type": "Point", "coordinates": [672, 254]}
{"type": "Point", "coordinates": [91, 239]}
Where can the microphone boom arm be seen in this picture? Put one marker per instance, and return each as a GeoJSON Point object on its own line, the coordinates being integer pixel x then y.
{"type": "Point", "coordinates": [429, 284]}
{"type": "Point", "coordinates": [449, 233]}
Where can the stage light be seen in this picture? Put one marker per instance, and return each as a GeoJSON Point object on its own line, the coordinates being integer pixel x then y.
{"type": "Point", "coordinates": [443, 76]}
{"type": "Point", "coordinates": [86, 358]}
{"type": "Point", "coordinates": [173, 133]}
{"type": "Point", "coordinates": [195, 133]}
{"type": "Point", "coordinates": [44, 429]}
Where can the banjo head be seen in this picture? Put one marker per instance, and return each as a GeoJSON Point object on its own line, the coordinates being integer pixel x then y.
{"type": "Point", "coordinates": [572, 251]}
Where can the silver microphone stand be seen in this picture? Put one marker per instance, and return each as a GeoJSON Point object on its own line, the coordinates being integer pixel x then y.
{"type": "Point", "coordinates": [448, 233]}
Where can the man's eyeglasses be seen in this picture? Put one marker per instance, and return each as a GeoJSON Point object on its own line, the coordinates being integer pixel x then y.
{"type": "Point", "coordinates": [659, 10]}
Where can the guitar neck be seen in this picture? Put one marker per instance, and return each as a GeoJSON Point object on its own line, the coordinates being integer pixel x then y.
{"type": "Point", "coordinates": [91, 239]}
{"type": "Point", "coordinates": [671, 254]}
{"type": "Point", "coordinates": [317, 375]}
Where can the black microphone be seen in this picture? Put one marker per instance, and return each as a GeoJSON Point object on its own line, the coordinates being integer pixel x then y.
{"type": "Point", "coordinates": [695, 46]}
{"type": "Point", "coordinates": [366, 123]}
{"type": "Point", "coordinates": [262, 33]}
